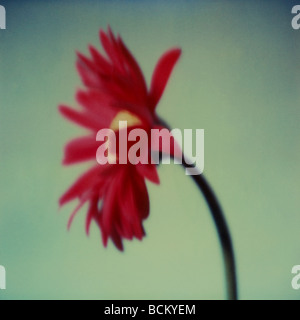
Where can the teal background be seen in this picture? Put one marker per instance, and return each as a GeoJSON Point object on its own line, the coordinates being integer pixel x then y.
{"type": "Point", "coordinates": [238, 79]}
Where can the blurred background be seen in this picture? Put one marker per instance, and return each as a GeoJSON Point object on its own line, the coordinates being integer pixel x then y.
{"type": "Point", "coordinates": [238, 79]}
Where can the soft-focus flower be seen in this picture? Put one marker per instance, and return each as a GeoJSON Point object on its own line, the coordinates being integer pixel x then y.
{"type": "Point", "coordinates": [115, 90]}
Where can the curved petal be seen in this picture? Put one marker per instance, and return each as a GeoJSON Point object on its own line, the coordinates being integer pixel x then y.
{"type": "Point", "coordinates": [134, 69]}
{"type": "Point", "coordinates": [87, 72]}
{"type": "Point", "coordinates": [110, 47]}
{"type": "Point", "coordinates": [81, 149]}
{"type": "Point", "coordinates": [135, 198]}
{"type": "Point", "coordinates": [82, 185]}
{"type": "Point", "coordinates": [161, 75]}
{"type": "Point", "coordinates": [102, 105]}
{"type": "Point", "coordinates": [141, 197]}
{"type": "Point", "coordinates": [81, 203]}
{"type": "Point", "coordinates": [99, 60]}
{"type": "Point", "coordinates": [117, 240]}
{"type": "Point", "coordinates": [109, 207]}
{"type": "Point", "coordinates": [149, 172]}
{"type": "Point", "coordinates": [83, 119]}
{"type": "Point", "coordinates": [91, 214]}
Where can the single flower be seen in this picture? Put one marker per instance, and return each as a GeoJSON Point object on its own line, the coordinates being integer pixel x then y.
{"type": "Point", "coordinates": [114, 90]}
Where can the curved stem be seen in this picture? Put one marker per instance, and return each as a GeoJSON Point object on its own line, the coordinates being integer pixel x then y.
{"type": "Point", "coordinates": [223, 232]}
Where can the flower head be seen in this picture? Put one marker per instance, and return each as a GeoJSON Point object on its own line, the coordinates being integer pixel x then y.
{"type": "Point", "coordinates": [114, 90]}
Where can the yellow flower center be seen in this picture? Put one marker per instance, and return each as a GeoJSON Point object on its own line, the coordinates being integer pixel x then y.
{"type": "Point", "coordinates": [132, 120]}
{"type": "Point", "coordinates": [116, 124]}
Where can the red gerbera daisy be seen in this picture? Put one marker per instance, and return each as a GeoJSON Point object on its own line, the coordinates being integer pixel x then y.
{"type": "Point", "coordinates": [115, 90]}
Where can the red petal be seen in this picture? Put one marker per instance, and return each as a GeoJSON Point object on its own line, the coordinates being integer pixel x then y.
{"type": "Point", "coordinates": [117, 240]}
{"type": "Point", "coordinates": [100, 104]}
{"type": "Point", "coordinates": [141, 197]}
{"type": "Point", "coordinates": [134, 68]}
{"type": "Point", "coordinates": [83, 119]}
{"type": "Point", "coordinates": [88, 75]}
{"type": "Point", "coordinates": [81, 149]}
{"type": "Point", "coordinates": [109, 207]}
{"type": "Point", "coordinates": [104, 235]}
{"type": "Point", "coordinates": [110, 220]}
{"type": "Point", "coordinates": [92, 213]}
{"type": "Point", "coordinates": [82, 202]}
{"type": "Point", "coordinates": [161, 75]}
{"type": "Point", "coordinates": [99, 60]}
{"type": "Point", "coordinates": [149, 172]}
{"type": "Point", "coordinates": [84, 184]}
{"type": "Point", "coordinates": [111, 49]}
{"type": "Point", "coordinates": [85, 61]}
{"type": "Point", "coordinates": [134, 200]}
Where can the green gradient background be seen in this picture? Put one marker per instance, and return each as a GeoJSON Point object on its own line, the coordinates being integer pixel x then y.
{"type": "Point", "coordinates": [238, 79]}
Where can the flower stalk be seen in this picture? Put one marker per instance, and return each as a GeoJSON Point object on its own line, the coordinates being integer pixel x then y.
{"type": "Point", "coordinates": [223, 232]}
